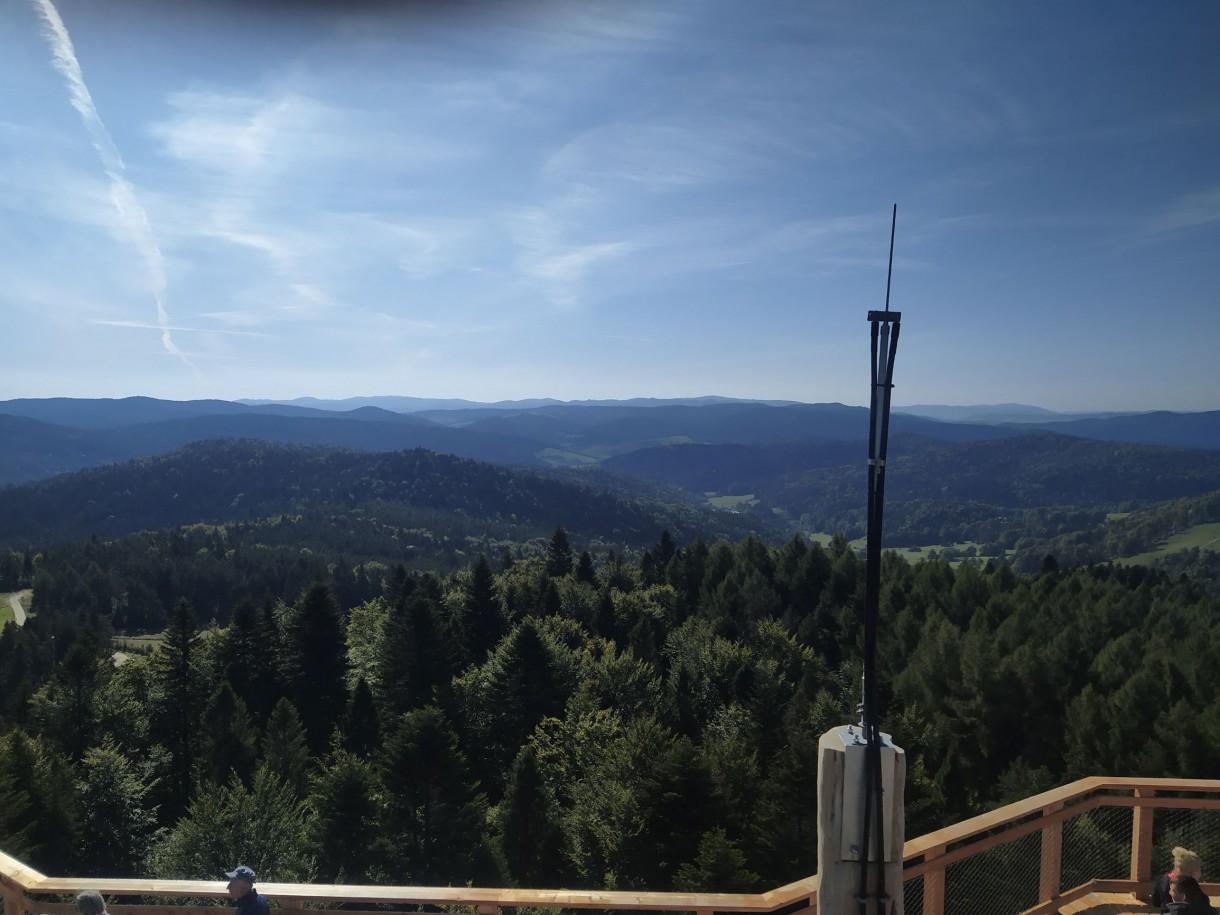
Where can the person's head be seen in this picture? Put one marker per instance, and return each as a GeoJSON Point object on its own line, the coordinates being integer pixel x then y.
{"type": "Point", "coordinates": [1186, 861]}
{"type": "Point", "coordinates": [1185, 888]}
{"type": "Point", "coordinates": [241, 880]}
{"type": "Point", "coordinates": [90, 902]}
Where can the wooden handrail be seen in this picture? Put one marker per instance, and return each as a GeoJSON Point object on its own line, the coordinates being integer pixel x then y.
{"type": "Point", "coordinates": [1032, 806]}
{"type": "Point", "coordinates": [926, 856]}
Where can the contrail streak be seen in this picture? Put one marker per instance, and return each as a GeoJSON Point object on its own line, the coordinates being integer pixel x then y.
{"type": "Point", "coordinates": [122, 193]}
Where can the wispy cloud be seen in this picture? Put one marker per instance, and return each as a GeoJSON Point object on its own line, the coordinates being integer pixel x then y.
{"type": "Point", "coordinates": [143, 325]}
{"type": "Point", "coordinates": [1200, 208]}
{"type": "Point", "coordinates": [291, 177]}
{"type": "Point", "coordinates": [547, 254]}
{"type": "Point", "coordinates": [656, 156]}
{"type": "Point", "coordinates": [122, 193]}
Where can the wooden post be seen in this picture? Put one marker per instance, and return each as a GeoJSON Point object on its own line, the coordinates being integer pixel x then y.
{"type": "Point", "coordinates": [1050, 870]}
{"type": "Point", "coordinates": [934, 884]}
{"type": "Point", "coordinates": [1141, 839]}
{"type": "Point", "coordinates": [840, 812]}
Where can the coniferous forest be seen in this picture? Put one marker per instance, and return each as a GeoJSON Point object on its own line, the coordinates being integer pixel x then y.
{"type": "Point", "coordinates": [559, 719]}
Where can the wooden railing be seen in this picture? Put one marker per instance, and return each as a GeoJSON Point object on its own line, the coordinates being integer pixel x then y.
{"type": "Point", "coordinates": [928, 860]}
{"type": "Point", "coordinates": [931, 856]}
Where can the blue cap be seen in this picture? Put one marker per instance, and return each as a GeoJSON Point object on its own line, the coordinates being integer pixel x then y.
{"type": "Point", "coordinates": [241, 872]}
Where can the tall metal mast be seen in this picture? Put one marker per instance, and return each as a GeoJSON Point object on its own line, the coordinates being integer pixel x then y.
{"type": "Point", "coordinates": [885, 326]}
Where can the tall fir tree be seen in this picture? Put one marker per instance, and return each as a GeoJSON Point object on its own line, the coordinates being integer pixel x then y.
{"type": "Point", "coordinates": [361, 727]}
{"type": "Point", "coordinates": [559, 554]}
{"type": "Point", "coordinates": [344, 830]}
{"type": "Point", "coordinates": [285, 750]}
{"type": "Point", "coordinates": [531, 836]}
{"type": "Point", "coordinates": [247, 656]}
{"type": "Point", "coordinates": [433, 808]}
{"type": "Point", "coordinates": [177, 702]}
{"type": "Point", "coordinates": [229, 738]}
{"type": "Point", "coordinates": [67, 708]}
{"type": "Point", "coordinates": [416, 653]}
{"type": "Point", "coordinates": [483, 621]}
{"type": "Point", "coordinates": [313, 663]}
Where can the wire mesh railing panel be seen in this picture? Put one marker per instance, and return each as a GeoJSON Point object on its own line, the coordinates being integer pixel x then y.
{"type": "Point", "coordinates": [1197, 830]}
{"type": "Point", "coordinates": [999, 881]}
{"type": "Point", "coordinates": [1096, 846]}
{"type": "Point", "coordinates": [912, 896]}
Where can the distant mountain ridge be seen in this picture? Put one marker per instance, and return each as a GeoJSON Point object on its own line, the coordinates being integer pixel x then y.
{"type": "Point", "coordinates": [998, 413]}
{"type": "Point", "coordinates": [998, 489]}
{"type": "Point", "coordinates": [56, 435]}
{"type": "Point", "coordinates": [418, 404]}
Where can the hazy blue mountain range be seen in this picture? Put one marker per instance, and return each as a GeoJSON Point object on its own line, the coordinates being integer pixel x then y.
{"type": "Point", "coordinates": [57, 435]}
{"type": "Point", "coordinates": [996, 413]}
{"type": "Point", "coordinates": [416, 404]}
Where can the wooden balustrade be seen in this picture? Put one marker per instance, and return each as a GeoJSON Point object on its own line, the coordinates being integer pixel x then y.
{"type": "Point", "coordinates": [929, 856]}
{"type": "Point", "coordinates": [27, 892]}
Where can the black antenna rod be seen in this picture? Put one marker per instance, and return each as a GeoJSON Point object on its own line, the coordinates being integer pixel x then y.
{"type": "Point", "coordinates": [889, 274]}
{"type": "Point", "coordinates": [884, 349]}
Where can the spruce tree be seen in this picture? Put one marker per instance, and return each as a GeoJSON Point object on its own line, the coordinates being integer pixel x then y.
{"type": "Point", "coordinates": [177, 702]}
{"type": "Point", "coordinates": [229, 738]}
{"type": "Point", "coordinates": [531, 839]}
{"type": "Point", "coordinates": [434, 810]}
{"type": "Point", "coordinates": [585, 572]}
{"type": "Point", "coordinates": [361, 730]}
{"type": "Point", "coordinates": [314, 663]}
{"type": "Point", "coordinates": [285, 751]}
{"type": "Point", "coordinates": [559, 554]}
{"type": "Point", "coordinates": [344, 829]}
{"type": "Point", "coordinates": [484, 622]}
{"type": "Point", "coordinates": [247, 659]}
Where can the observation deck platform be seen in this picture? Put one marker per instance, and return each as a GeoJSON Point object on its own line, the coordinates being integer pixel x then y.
{"type": "Point", "coordinates": [1092, 846]}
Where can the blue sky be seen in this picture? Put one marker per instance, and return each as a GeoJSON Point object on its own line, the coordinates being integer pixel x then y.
{"type": "Point", "coordinates": [609, 200]}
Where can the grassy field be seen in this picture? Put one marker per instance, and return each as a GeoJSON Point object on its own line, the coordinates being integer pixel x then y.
{"type": "Point", "coordinates": [138, 644]}
{"type": "Point", "coordinates": [730, 502]}
{"type": "Point", "coordinates": [825, 540]}
{"type": "Point", "coordinates": [6, 610]}
{"type": "Point", "coordinates": [558, 458]}
{"type": "Point", "coordinates": [1203, 536]}
{"type": "Point", "coordinates": [914, 554]}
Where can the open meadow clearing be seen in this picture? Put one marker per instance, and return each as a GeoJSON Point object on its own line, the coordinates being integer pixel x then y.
{"type": "Point", "coordinates": [730, 502]}
{"type": "Point", "coordinates": [13, 606]}
{"type": "Point", "coordinates": [953, 552]}
{"type": "Point", "coordinates": [1204, 536]}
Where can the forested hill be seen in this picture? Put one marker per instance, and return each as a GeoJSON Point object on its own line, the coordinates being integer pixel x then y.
{"type": "Point", "coordinates": [1030, 470]}
{"type": "Point", "coordinates": [1034, 486]}
{"type": "Point", "coordinates": [220, 481]}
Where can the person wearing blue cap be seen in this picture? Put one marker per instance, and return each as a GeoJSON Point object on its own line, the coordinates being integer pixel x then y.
{"type": "Point", "coordinates": [241, 888]}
